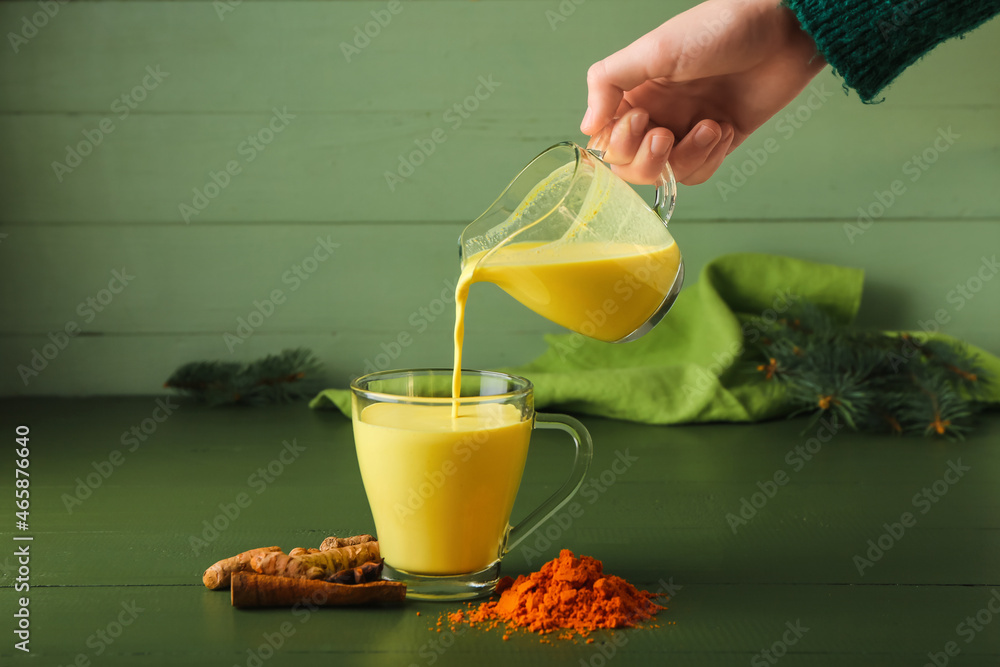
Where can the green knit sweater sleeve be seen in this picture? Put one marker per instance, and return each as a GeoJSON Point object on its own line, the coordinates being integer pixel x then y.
{"type": "Point", "coordinates": [870, 42]}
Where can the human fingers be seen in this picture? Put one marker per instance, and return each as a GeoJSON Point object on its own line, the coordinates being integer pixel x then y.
{"type": "Point", "coordinates": [601, 140]}
{"type": "Point", "coordinates": [608, 79]}
{"type": "Point", "coordinates": [647, 165]}
{"type": "Point", "coordinates": [625, 137]}
{"type": "Point", "coordinates": [694, 148]}
{"type": "Point", "coordinates": [714, 159]}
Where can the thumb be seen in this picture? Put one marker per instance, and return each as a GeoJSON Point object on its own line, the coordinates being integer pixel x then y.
{"type": "Point", "coordinates": [609, 79]}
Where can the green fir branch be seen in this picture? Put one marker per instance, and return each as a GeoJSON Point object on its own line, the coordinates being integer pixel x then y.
{"type": "Point", "coordinates": [277, 378]}
{"type": "Point", "coordinates": [871, 381]}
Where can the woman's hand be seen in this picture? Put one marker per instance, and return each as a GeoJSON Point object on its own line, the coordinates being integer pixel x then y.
{"type": "Point", "coordinates": [693, 89]}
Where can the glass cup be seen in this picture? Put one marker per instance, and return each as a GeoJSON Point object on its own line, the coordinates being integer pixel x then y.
{"type": "Point", "coordinates": [441, 488]}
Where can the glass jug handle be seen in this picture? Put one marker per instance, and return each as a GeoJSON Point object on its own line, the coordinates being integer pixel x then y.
{"type": "Point", "coordinates": [666, 194]}
{"type": "Point", "coordinates": [666, 188]}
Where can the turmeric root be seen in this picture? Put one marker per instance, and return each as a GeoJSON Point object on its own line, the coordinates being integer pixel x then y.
{"type": "Point", "coordinates": [315, 565]}
{"type": "Point", "coordinates": [301, 551]}
{"type": "Point", "coordinates": [256, 590]}
{"type": "Point", "coordinates": [218, 575]}
{"type": "Point", "coordinates": [333, 542]}
{"type": "Point", "coordinates": [365, 572]}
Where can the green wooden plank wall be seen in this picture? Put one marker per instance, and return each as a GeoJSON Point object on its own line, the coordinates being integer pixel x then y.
{"type": "Point", "coordinates": [145, 105]}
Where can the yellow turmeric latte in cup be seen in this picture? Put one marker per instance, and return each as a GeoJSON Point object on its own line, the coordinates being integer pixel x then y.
{"type": "Point", "coordinates": [441, 487]}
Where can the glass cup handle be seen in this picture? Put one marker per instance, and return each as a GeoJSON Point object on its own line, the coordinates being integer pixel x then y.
{"type": "Point", "coordinates": [581, 463]}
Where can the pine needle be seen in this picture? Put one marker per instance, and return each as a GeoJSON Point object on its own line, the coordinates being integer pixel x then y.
{"type": "Point", "coordinates": [277, 378]}
{"type": "Point", "coordinates": [870, 380]}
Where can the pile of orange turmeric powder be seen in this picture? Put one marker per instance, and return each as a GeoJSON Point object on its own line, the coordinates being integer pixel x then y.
{"type": "Point", "coordinates": [568, 595]}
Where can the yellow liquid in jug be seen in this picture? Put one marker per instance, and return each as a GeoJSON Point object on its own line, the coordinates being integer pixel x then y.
{"type": "Point", "coordinates": [602, 290]}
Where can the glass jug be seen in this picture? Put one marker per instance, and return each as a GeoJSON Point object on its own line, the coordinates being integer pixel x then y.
{"type": "Point", "coordinates": [572, 241]}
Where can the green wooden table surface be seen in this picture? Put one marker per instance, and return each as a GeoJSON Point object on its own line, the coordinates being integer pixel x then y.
{"type": "Point", "coordinates": [118, 522]}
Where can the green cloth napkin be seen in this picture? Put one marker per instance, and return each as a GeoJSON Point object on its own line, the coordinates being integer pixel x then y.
{"type": "Point", "coordinates": [685, 370]}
